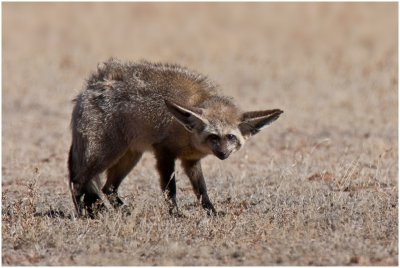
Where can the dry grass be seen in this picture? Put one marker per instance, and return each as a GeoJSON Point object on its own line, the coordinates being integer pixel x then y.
{"type": "Point", "coordinates": [319, 187]}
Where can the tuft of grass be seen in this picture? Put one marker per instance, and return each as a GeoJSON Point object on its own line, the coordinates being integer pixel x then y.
{"type": "Point", "coordinates": [309, 223]}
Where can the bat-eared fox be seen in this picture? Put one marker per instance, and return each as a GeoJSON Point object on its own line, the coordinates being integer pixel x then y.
{"type": "Point", "coordinates": [127, 109]}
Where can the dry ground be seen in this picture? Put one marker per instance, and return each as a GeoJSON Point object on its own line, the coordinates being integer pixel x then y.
{"type": "Point", "coordinates": [319, 187]}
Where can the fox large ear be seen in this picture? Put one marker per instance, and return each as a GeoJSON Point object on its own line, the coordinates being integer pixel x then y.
{"type": "Point", "coordinates": [190, 118]}
{"type": "Point", "coordinates": [253, 122]}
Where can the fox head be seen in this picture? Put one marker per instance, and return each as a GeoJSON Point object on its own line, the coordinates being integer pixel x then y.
{"type": "Point", "coordinates": [219, 127]}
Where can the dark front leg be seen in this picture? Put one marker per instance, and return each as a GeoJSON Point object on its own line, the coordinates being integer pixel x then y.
{"type": "Point", "coordinates": [166, 168]}
{"type": "Point", "coordinates": [195, 174]}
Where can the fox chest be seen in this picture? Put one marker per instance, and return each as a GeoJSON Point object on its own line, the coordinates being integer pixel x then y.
{"type": "Point", "coordinates": [181, 151]}
{"type": "Point", "coordinates": [191, 154]}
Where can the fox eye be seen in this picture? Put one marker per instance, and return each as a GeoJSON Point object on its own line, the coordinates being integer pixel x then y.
{"type": "Point", "coordinates": [213, 137]}
{"type": "Point", "coordinates": [231, 137]}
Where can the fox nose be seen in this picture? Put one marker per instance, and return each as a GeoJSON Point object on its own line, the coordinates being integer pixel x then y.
{"type": "Point", "coordinates": [222, 155]}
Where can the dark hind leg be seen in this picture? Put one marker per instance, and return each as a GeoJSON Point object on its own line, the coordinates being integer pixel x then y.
{"type": "Point", "coordinates": [91, 199]}
{"type": "Point", "coordinates": [82, 197]}
{"type": "Point", "coordinates": [86, 196]}
{"type": "Point", "coordinates": [73, 185]}
{"type": "Point", "coordinates": [85, 189]}
{"type": "Point", "coordinates": [117, 173]}
{"type": "Point", "coordinates": [86, 162]}
{"type": "Point", "coordinates": [86, 192]}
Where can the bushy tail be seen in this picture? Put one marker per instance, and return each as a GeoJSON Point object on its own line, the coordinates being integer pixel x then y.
{"type": "Point", "coordinates": [72, 175]}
